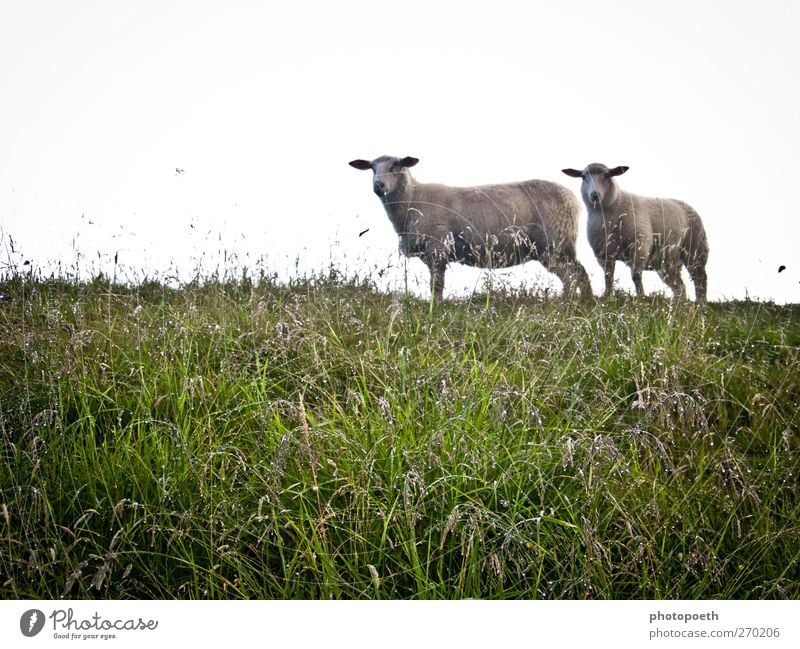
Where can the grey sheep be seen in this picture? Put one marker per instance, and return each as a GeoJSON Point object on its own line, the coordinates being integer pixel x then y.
{"type": "Point", "coordinates": [490, 226]}
{"type": "Point", "coordinates": [658, 234]}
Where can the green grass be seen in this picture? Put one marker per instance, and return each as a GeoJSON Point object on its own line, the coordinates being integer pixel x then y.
{"type": "Point", "coordinates": [320, 439]}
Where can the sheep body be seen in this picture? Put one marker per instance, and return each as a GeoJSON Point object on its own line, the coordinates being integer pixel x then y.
{"type": "Point", "coordinates": [489, 226]}
{"type": "Point", "coordinates": [660, 234]}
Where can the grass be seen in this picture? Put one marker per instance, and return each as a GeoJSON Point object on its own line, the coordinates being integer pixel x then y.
{"type": "Point", "coordinates": [320, 439]}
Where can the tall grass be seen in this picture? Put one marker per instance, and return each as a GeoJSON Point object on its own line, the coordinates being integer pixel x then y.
{"type": "Point", "coordinates": [320, 439]}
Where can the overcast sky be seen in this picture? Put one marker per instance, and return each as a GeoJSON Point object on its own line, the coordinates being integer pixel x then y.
{"type": "Point", "coordinates": [262, 104]}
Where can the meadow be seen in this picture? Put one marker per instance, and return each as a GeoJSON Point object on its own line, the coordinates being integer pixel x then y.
{"type": "Point", "coordinates": [318, 438]}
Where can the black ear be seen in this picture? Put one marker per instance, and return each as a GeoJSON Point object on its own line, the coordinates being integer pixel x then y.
{"type": "Point", "coordinates": [361, 164]}
{"type": "Point", "coordinates": [617, 171]}
{"type": "Point", "coordinates": [573, 172]}
{"type": "Point", "coordinates": [408, 161]}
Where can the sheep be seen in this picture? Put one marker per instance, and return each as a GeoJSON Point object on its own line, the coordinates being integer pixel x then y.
{"type": "Point", "coordinates": [489, 226]}
{"type": "Point", "coordinates": [658, 234]}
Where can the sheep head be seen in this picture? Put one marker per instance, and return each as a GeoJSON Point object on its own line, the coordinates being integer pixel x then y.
{"type": "Point", "coordinates": [597, 182]}
{"type": "Point", "coordinates": [386, 172]}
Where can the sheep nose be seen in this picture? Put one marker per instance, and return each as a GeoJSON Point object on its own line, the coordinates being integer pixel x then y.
{"type": "Point", "coordinates": [380, 187]}
{"type": "Point", "coordinates": [595, 197]}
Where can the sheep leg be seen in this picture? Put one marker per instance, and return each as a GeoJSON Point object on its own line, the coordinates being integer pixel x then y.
{"type": "Point", "coordinates": [608, 272]}
{"type": "Point", "coordinates": [698, 275]}
{"type": "Point", "coordinates": [564, 273]}
{"type": "Point", "coordinates": [572, 274]}
{"type": "Point", "coordinates": [638, 265]}
{"type": "Point", "coordinates": [695, 259]}
{"type": "Point", "coordinates": [437, 281]}
{"type": "Point", "coordinates": [636, 274]}
{"type": "Point", "coordinates": [556, 265]}
{"type": "Point", "coordinates": [579, 279]}
{"type": "Point", "coordinates": [672, 278]}
{"type": "Point", "coordinates": [584, 284]}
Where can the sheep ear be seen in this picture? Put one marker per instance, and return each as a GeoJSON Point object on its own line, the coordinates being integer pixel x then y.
{"type": "Point", "coordinates": [361, 164]}
{"type": "Point", "coordinates": [618, 171]}
{"type": "Point", "coordinates": [408, 161]}
{"type": "Point", "coordinates": [572, 172]}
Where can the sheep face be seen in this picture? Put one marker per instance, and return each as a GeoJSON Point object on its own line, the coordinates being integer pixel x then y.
{"type": "Point", "coordinates": [387, 171]}
{"type": "Point", "coordinates": [598, 183]}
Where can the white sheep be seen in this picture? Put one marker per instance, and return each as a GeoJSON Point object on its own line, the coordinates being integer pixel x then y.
{"type": "Point", "coordinates": [489, 226]}
{"type": "Point", "coordinates": [658, 234]}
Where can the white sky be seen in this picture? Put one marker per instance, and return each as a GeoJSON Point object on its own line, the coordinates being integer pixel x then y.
{"type": "Point", "coordinates": [264, 103]}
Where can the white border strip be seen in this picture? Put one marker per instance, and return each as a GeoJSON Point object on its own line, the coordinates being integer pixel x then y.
{"type": "Point", "coordinates": [351, 625]}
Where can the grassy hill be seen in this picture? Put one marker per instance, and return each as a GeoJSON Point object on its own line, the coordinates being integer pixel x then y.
{"type": "Point", "coordinates": [321, 439]}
